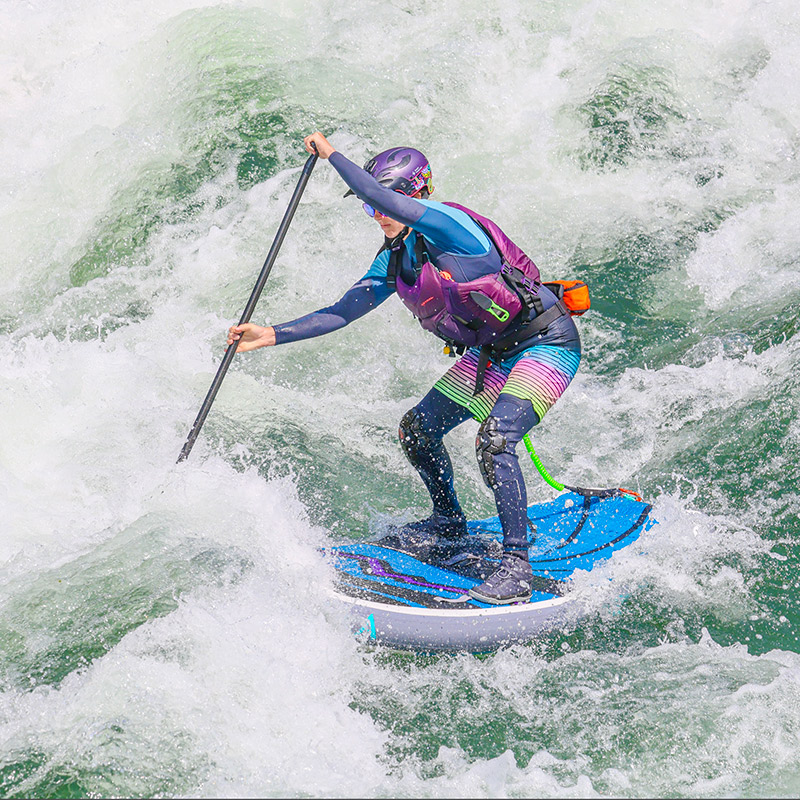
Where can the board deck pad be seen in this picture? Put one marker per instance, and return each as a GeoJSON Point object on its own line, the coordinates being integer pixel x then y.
{"type": "Point", "coordinates": [417, 590]}
{"type": "Point", "coordinates": [567, 534]}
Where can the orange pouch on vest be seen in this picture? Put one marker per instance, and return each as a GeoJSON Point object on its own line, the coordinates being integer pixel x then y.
{"type": "Point", "coordinates": [573, 294]}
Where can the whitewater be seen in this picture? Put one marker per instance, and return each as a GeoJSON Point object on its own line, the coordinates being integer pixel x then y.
{"type": "Point", "coordinates": [167, 630]}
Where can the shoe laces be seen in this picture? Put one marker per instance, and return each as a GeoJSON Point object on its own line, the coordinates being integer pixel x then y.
{"type": "Point", "coordinates": [504, 570]}
{"type": "Point", "coordinates": [507, 567]}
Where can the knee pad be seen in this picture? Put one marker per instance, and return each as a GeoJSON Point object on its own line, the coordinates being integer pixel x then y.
{"type": "Point", "coordinates": [489, 443]}
{"type": "Point", "coordinates": [413, 436]}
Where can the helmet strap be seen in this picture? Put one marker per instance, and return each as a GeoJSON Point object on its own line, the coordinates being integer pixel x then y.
{"type": "Point", "coordinates": [394, 243]}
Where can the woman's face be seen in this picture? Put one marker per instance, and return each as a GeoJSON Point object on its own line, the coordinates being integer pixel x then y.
{"type": "Point", "coordinates": [391, 227]}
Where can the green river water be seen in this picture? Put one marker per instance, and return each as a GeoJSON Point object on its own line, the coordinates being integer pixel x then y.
{"type": "Point", "coordinates": [165, 630]}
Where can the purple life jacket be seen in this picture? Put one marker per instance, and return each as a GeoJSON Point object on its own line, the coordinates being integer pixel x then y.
{"type": "Point", "coordinates": [472, 313]}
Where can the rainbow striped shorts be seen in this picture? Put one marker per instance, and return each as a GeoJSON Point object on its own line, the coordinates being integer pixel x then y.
{"type": "Point", "coordinates": [539, 374]}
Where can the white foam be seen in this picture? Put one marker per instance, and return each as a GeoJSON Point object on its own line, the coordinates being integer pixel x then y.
{"type": "Point", "coordinates": [195, 593]}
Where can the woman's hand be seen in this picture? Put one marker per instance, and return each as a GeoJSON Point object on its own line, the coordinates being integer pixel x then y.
{"type": "Point", "coordinates": [250, 336]}
{"type": "Point", "coordinates": [324, 148]}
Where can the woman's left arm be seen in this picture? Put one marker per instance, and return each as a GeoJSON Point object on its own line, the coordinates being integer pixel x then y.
{"type": "Point", "coordinates": [451, 230]}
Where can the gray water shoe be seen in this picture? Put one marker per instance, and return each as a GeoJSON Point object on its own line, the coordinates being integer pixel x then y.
{"type": "Point", "coordinates": [432, 539]}
{"type": "Point", "coordinates": [438, 525]}
{"type": "Point", "coordinates": [511, 582]}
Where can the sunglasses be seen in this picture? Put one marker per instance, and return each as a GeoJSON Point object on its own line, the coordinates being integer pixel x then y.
{"type": "Point", "coordinates": [370, 211]}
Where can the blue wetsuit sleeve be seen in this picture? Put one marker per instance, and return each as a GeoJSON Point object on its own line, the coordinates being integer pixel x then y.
{"type": "Point", "coordinates": [359, 299]}
{"type": "Point", "coordinates": [448, 229]}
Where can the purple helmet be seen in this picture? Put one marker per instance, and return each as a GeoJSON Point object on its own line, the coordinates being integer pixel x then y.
{"type": "Point", "coordinates": [402, 169]}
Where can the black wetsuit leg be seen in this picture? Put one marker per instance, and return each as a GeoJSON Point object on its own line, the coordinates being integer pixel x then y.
{"type": "Point", "coordinates": [421, 434]}
{"type": "Point", "coordinates": [511, 418]}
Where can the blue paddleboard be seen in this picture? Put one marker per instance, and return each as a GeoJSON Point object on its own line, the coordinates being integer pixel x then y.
{"type": "Point", "coordinates": [413, 595]}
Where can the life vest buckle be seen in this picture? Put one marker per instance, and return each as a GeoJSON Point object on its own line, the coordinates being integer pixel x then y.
{"type": "Point", "coordinates": [527, 289]}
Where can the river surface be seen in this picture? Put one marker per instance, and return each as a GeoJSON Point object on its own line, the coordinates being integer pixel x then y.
{"type": "Point", "coordinates": [165, 630]}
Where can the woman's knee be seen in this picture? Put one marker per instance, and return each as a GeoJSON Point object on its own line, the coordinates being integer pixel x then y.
{"type": "Point", "coordinates": [415, 436]}
{"type": "Point", "coordinates": [498, 436]}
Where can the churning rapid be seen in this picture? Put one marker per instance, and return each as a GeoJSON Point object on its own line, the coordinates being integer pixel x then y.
{"type": "Point", "coordinates": [166, 629]}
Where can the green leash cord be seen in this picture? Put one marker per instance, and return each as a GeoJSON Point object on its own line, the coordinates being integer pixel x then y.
{"type": "Point", "coordinates": [587, 493]}
{"type": "Point", "coordinates": [539, 466]}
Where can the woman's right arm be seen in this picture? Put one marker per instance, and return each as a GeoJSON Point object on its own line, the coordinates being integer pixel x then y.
{"type": "Point", "coordinates": [359, 299]}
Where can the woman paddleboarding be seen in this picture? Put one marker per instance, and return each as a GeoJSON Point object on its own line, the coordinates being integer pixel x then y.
{"type": "Point", "coordinates": [470, 285]}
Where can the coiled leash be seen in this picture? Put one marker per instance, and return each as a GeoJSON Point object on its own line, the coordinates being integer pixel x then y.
{"type": "Point", "coordinates": [587, 493]}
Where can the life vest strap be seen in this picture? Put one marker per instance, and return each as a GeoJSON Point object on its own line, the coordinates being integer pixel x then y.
{"type": "Point", "coordinates": [537, 325]}
{"type": "Point", "coordinates": [526, 289]}
{"type": "Point", "coordinates": [395, 256]}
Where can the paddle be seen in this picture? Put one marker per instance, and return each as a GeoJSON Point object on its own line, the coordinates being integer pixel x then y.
{"type": "Point", "coordinates": [250, 307]}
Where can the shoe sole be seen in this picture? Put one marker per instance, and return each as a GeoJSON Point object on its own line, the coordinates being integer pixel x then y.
{"type": "Point", "coordinates": [496, 601]}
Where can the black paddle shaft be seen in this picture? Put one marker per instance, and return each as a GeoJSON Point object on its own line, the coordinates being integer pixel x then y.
{"type": "Point", "coordinates": [250, 307]}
